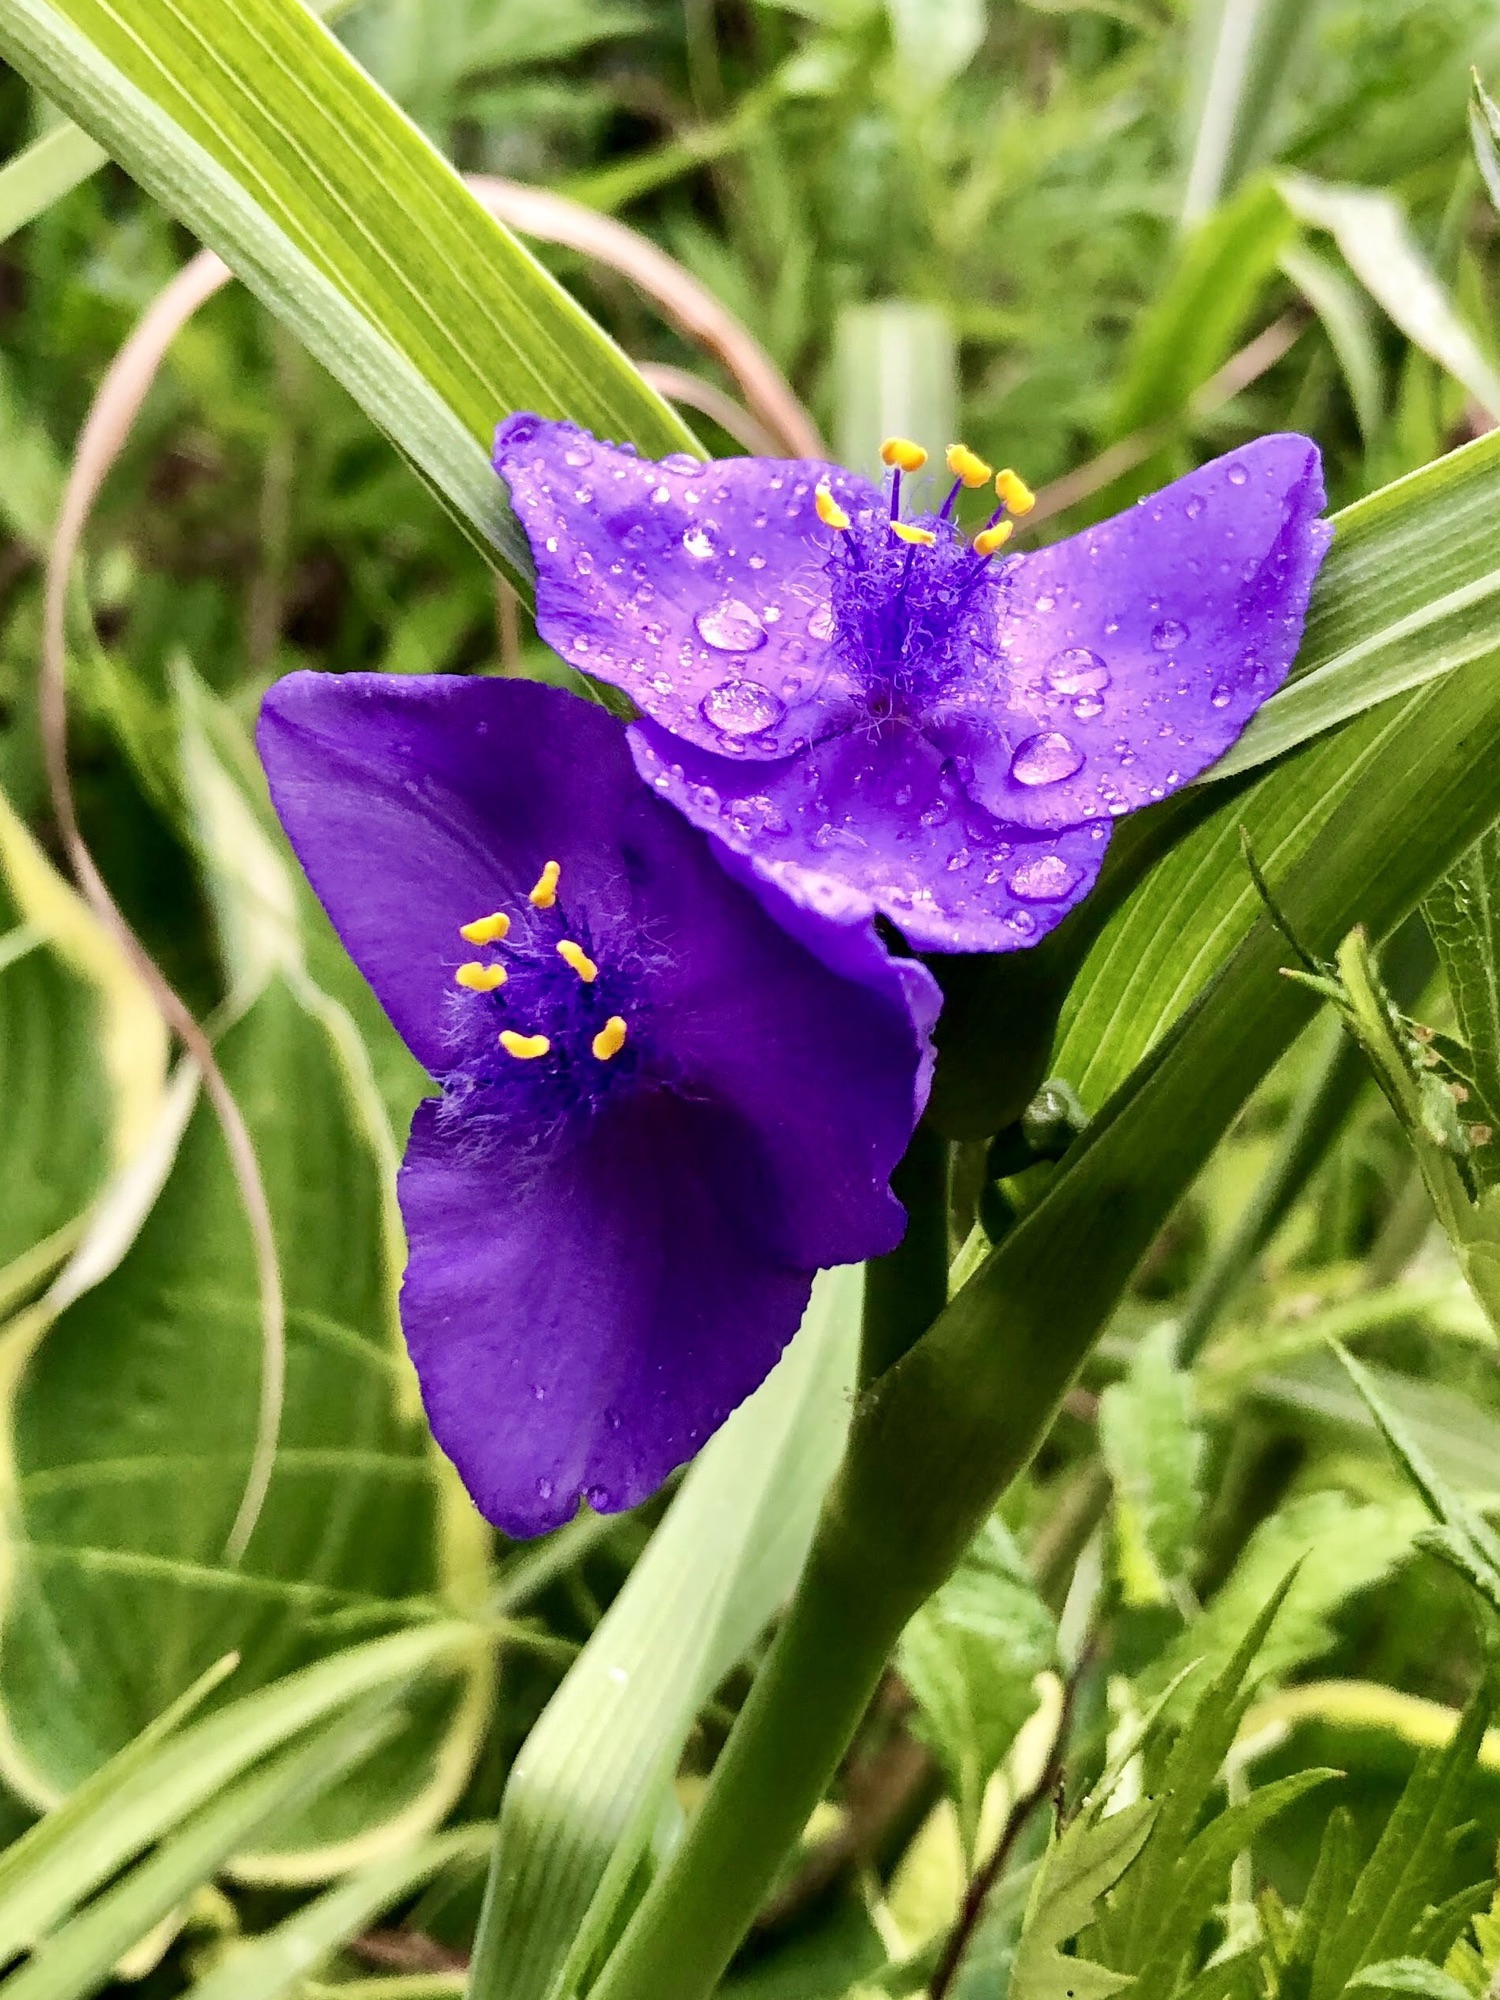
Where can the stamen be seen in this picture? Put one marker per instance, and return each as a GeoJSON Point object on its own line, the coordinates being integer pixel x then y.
{"type": "Point", "coordinates": [544, 895]}
{"type": "Point", "coordinates": [479, 978]}
{"type": "Point", "coordinates": [575, 955]}
{"type": "Point", "coordinates": [967, 467]}
{"type": "Point", "coordinates": [990, 539]}
{"type": "Point", "coordinates": [486, 930]}
{"type": "Point", "coordinates": [903, 455]}
{"type": "Point", "coordinates": [1014, 491]}
{"type": "Point", "coordinates": [525, 1048]}
{"type": "Point", "coordinates": [830, 513]}
{"type": "Point", "coordinates": [610, 1039]}
{"type": "Point", "coordinates": [922, 537]}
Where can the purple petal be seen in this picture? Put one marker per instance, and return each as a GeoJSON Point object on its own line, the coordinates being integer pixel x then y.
{"type": "Point", "coordinates": [701, 590]}
{"type": "Point", "coordinates": [877, 821]}
{"type": "Point", "coordinates": [419, 803]}
{"type": "Point", "coordinates": [580, 1332]}
{"type": "Point", "coordinates": [1138, 650]}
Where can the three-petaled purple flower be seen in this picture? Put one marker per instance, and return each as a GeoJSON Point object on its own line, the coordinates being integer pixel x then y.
{"type": "Point", "coordinates": [883, 715]}
{"type": "Point", "coordinates": [660, 1114]}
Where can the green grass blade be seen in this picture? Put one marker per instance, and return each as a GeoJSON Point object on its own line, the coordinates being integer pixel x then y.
{"type": "Point", "coordinates": [44, 172]}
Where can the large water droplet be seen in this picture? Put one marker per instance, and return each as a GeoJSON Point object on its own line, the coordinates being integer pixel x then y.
{"type": "Point", "coordinates": [741, 708]}
{"type": "Point", "coordinates": [1087, 706]}
{"type": "Point", "coordinates": [731, 627]}
{"type": "Point", "coordinates": [1220, 698]}
{"type": "Point", "coordinates": [1046, 759]}
{"type": "Point", "coordinates": [698, 543]}
{"type": "Point", "coordinates": [1044, 879]}
{"type": "Point", "coordinates": [1169, 633]}
{"type": "Point", "coordinates": [1077, 671]}
{"type": "Point", "coordinates": [1237, 474]}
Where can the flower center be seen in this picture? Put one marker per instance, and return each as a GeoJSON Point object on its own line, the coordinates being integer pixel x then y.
{"type": "Point", "coordinates": [546, 1023]}
{"type": "Point", "coordinates": [902, 590]}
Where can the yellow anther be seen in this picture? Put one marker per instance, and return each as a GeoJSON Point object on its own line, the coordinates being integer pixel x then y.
{"type": "Point", "coordinates": [904, 531]}
{"type": "Point", "coordinates": [830, 513]}
{"type": "Point", "coordinates": [479, 978]}
{"type": "Point", "coordinates": [525, 1048]}
{"type": "Point", "coordinates": [1014, 491]}
{"type": "Point", "coordinates": [969, 466]}
{"type": "Point", "coordinates": [986, 543]}
{"type": "Point", "coordinates": [544, 895]}
{"type": "Point", "coordinates": [610, 1039]}
{"type": "Point", "coordinates": [486, 930]}
{"type": "Point", "coordinates": [903, 454]}
{"type": "Point", "coordinates": [575, 955]}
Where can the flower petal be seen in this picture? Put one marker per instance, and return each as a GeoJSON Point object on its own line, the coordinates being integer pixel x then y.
{"type": "Point", "coordinates": [580, 1332]}
{"type": "Point", "coordinates": [866, 822]}
{"type": "Point", "coordinates": [701, 590]}
{"type": "Point", "coordinates": [1138, 650]}
{"type": "Point", "coordinates": [417, 804]}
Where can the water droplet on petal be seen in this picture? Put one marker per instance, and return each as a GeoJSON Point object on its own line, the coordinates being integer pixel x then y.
{"type": "Point", "coordinates": [1196, 504]}
{"type": "Point", "coordinates": [575, 455]}
{"type": "Point", "coordinates": [1046, 759]}
{"type": "Point", "coordinates": [1077, 671]}
{"type": "Point", "coordinates": [1169, 633]}
{"type": "Point", "coordinates": [936, 813]}
{"type": "Point", "coordinates": [1022, 921]}
{"type": "Point", "coordinates": [731, 627]}
{"type": "Point", "coordinates": [1237, 475]}
{"type": "Point", "coordinates": [681, 461]}
{"type": "Point", "coordinates": [544, 1489]}
{"type": "Point", "coordinates": [660, 496]}
{"type": "Point", "coordinates": [698, 543]}
{"type": "Point", "coordinates": [820, 624]}
{"type": "Point", "coordinates": [1087, 707]}
{"type": "Point", "coordinates": [959, 860]}
{"type": "Point", "coordinates": [741, 708]}
{"type": "Point", "coordinates": [1044, 879]}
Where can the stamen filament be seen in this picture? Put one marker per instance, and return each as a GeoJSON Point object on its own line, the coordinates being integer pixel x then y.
{"type": "Point", "coordinates": [486, 930]}
{"type": "Point", "coordinates": [610, 1039]}
{"type": "Point", "coordinates": [544, 895]}
{"type": "Point", "coordinates": [479, 978]}
{"type": "Point", "coordinates": [525, 1048]}
{"type": "Point", "coordinates": [575, 955]}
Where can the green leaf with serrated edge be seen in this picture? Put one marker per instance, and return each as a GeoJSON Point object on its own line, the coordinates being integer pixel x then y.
{"type": "Point", "coordinates": [264, 1967]}
{"type": "Point", "coordinates": [1183, 1780]}
{"type": "Point", "coordinates": [47, 1873]}
{"type": "Point", "coordinates": [1395, 1885]}
{"type": "Point", "coordinates": [1338, 1549]}
{"type": "Point", "coordinates": [1154, 1453]}
{"type": "Point", "coordinates": [1200, 1878]}
{"type": "Point", "coordinates": [77, 1959]}
{"type": "Point", "coordinates": [1375, 238]}
{"type": "Point", "coordinates": [1085, 1861]}
{"type": "Point", "coordinates": [132, 1415]}
{"type": "Point", "coordinates": [1463, 914]}
{"type": "Point", "coordinates": [1334, 1876]}
{"type": "Point", "coordinates": [970, 1657]}
{"type": "Point", "coordinates": [587, 1787]}
{"type": "Point", "coordinates": [253, 126]}
{"type": "Point", "coordinates": [1464, 1523]}
{"type": "Point", "coordinates": [1408, 1975]}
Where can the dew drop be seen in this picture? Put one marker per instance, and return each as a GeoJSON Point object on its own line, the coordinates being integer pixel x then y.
{"type": "Point", "coordinates": [1195, 506]}
{"type": "Point", "coordinates": [660, 495]}
{"type": "Point", "coordinates": [1237, 475]}
{"type": "Point", "coordinates": [1046, 602]}
{"type": "Point", "coordinates": [741, 708]}
{"type": "Point", "coordinates": [820, 624]}
{"type": "Point", "coordinates": [1087, 706]}
{"type": "Point", "coordinates": [698, 543]}
{"type": "Point", "coordinates": [583, 563]}
{"type": "Point", "coordinates": [681, 461]}
{"type": "Point", "coordinates": [1022, 921]}
{"type": "Point", "coordinates": [1077, 671]}
{"type": "Point", "coordinates": [958, 860]}
{"type": "Point", "coordinates": [575, 455]}
{"type": "Point", "coordinates": [936, 813]}
{"type": "Point", "coordinates": [544, 1489]}
{"type": "Point", "coordinates": [902, 795]}
{"type": "Point", "coordinates": [1046, 759]}
{"type": "Point", "coordinates": [731, 627]}
{"type": "Point", "coordinates": [1169, 633]}
{"type": "Point", "coordinates": [1220, 698]}
{"type": "Point", "coordinates": [1044, 879]}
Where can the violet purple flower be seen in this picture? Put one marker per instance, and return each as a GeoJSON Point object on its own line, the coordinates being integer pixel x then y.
{"type": "Point", "coordinates": [660, 1114]}
{"type": "Point", "coordinates": [883, 715]}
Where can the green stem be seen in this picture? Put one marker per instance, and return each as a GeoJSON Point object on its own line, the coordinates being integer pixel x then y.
{"type": "Point", "coordinates": [905, 1292]}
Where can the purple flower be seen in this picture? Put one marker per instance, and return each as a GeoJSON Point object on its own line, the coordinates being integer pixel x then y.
{"type": "Point", "coordinates": [660, 1114]}
{"type": "Point", "coordinates": [886, 716]}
